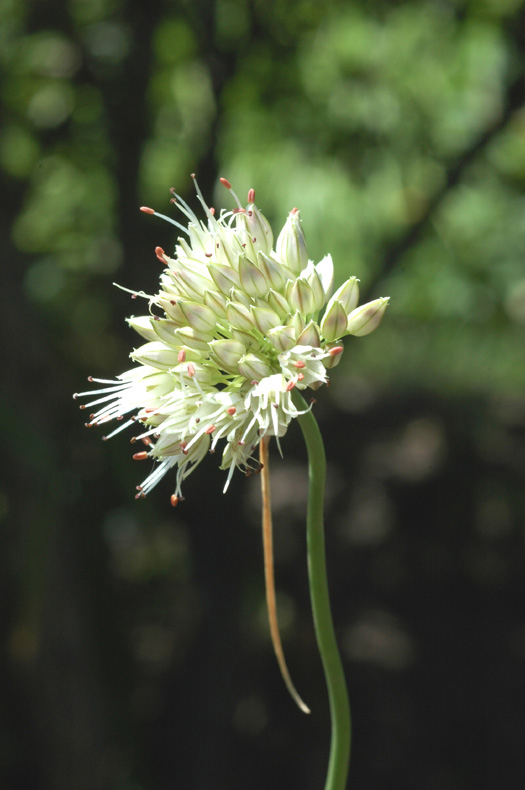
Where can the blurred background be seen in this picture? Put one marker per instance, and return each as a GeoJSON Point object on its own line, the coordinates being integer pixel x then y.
{"type": "Point", "coordinates": [135, 652]}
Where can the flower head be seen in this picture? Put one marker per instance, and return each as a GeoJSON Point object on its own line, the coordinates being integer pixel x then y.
{"type": "Point", "coordinates": [233, 329]}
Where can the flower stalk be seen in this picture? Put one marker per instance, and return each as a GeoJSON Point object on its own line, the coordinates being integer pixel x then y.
{"type": "Point", "coordinates": [339, 759]}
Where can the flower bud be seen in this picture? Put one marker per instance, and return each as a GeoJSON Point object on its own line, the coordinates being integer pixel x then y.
{"type": "Point", "coordinates": [165, 330]}
{"type": "Point", "coordinates": [253, 367]}
{"type": "Point", "coordinates": [171, 308]}
{"type": "Point", "coordinates": [297, 322]}
{"type": "Point", "coordinates": [366, 318]}
{"type": "Point", "coordinates": [314, 281]}
{"type": "Point", "coordinates": [291, 244]}
{"type": "Point", "coordinates": [310, 336]}
{"type": "Point", "coordinates": [239, 316]}
{"type": "Point", "coordinates": [300, 296]}
{"type": "Point", "coordinates": [198, 316]}
{"type": "Point", "coordinates": [259, 228]}
{"type": "Point", "coordinates": [195, 284]}
{"type": "Point", "coordinates": [156, 354]}
{"type": "Point", "coordinates": [246, 339]}
{"type": "Point", "coordinates": [265, 318]}
{"type": "Point", "coordinates": [348, 294]}
{"type": "Point", "coordinates": [224, 277]}
{"type": "Point", "coordinates": [186, 336]}
{"type": "Point", "coordinates": [275, 272]}
{"type": "Point", "coordinates": [278, 303]}
{"type": "Point", "coordinates": [142, 325]}
{"type": "Point", "coordinates": [216, 302]}
{"type": "Point", "coordinates": [325, 270]}
{"type": "Point", "coordinates": [253, 282]}
{"type": "Point", "coordinates": [227, 353]}
{"type": "Point", "coordinates": [334, 322]}
{"type": "Point", "coordinates": [282, 337]}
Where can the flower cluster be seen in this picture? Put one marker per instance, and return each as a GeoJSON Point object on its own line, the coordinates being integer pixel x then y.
{"type": "Point", "coordinates": [234, 328]}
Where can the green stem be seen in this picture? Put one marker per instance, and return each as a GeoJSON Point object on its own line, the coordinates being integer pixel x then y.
{"type": "Point", "coordinates": [339, 761]}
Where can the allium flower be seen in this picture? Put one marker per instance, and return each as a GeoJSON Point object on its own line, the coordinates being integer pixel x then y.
{"type": "Point", "coordinates": [234, 328]}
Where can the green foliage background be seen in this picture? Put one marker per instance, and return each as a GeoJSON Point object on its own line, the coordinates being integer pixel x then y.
{"type": "Point", "coordinates": [398, 128]}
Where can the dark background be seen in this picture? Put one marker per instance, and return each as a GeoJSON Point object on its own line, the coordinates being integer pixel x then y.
{"type": "Point", "coordinates": [135, 651]}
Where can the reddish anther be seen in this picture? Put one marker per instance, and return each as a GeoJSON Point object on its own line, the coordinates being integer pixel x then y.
{"type": "Point", "coordinates": [140, 456]}
{"type": "Point", "coordinates": [174, 500]}
{"type": "Point", "coordinates": [181, 356]}
{"type": "Point", "coordinates": [300, 376]}
{"type": "Point", "coordinates": [210, 429]}
{"type": "Point", "coordinates": [300, 363]}
{"type": "Point", "coordinates": [212, 211]}
{"type": "Point", "coordinates": [231, 410]}
{"type": "Point", "coordinates": [335, 351]}
{"type": "Point", "coordinates": [191, 369]}
{"type": "Point", "coordinates": [294, 211]}
{"type": "Point", "coordinates": [251, 196]}
{"type": "Point", "coordinates": [159, 252]}
{"type": "Point", "coordinates": [225, 183]}
{"type": "Point", "coordinates": [147, 210]}
{"type": "Point", "coordinates": [290, 386]}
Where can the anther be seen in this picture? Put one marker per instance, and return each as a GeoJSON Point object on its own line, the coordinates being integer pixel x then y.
{"type": "Point", "coordinates": [133, 440]}
{"type": "Point", "coordinates": [231, 410]}
{"type": "Point", "coordinates": [133, 296]}
{"type": "Point", "coordinates": [140, 456]}
{"type": "Point", "coordinates": [335, 351]}
{"type": "Point", "coordinates": [251, 196]}
{"type": "Point", "coordinates": [208, 254]}
{"type": "Point", "coordinates": [147, 210]}
{"type": "Point", "coordinates": [82, 406]}
{"type": "Point", "coordinates": [90, 378]}
{"type": "Point", "coordinates": [290, 386]}
{"type": "Point", "coordinates": [210, 429]}
{"type": "Point", "coordinates": [104, 438]}
{"type": "Point", "coordinates": [300, 363]}
{"type": "Point", "coordinates": [140, 495]}
{"type": "Point", "coordinates": [191, 369]}
{"type": "Point", "coordinates": [225, 183]}
{"type": "Point", "coordinates": [75, 396]}
{"type": "Point", "coordinates": [174, 500]}
{"type": "Point", "coordinates": [181, 356]}
{"type": "Point", "coordinates": [159, 252]}
{"type": "Point", "coordinates": [212, 211]}
{"type": "Point", "coordinates": [300, 376]}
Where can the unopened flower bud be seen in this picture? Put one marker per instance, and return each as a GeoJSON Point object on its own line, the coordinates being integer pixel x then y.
{"type": "Point", "coordinates": [216, 302]}
{"type": "Point", "coordinates": [291, 244]}
{"type": "Point", "coordinates": [253, 367]}
{"type": "Point", "coordinates": [334, 322]}
{"type": "Point", "coordinates": [224, 277]}
{"type": "Point", "coordinates": [265, 318]}
{"type": "Point", "coordinates": [348, 294]}
{"type": "Point", "coordinates": [239, 316]}
{"type": "Point", "coordinates": [186, 336]}
{"type": "Point", "coordinates": [297, 322]}
{"type": "Point", "coordinates": [314, 281]}
{"type": "Point", "coordinates": [227, 353]}
{"type": "Point", "coordinates": [278, 303]}
{"type": "Point", "coordinates": [142, 325]}
{"type": "Point", "coordinates": [300, 296]}
{"type": "Point", "coordinates": [275, 272]}
{"type": "Point", "coordinates": [325, 270]}
{"type": "Point", "coordinates": [282, 337]}
{"type": "Point", "coordinates": [253, 282]}
{"type": "Point", "coordinates": [156, 354]}
{"type": "Point", "coordinates": [310, 336]}
{"type": "Point", "coordinates": [198, 316]}
{"type": "Point", "coordinates": [366, 318]}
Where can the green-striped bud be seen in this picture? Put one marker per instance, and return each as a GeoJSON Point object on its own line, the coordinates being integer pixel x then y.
{"type": "Point", "coordinates": [253, 282]}
{"type": "Point", "coordinates": [297, 322]}
{"type": "Point", "coordinates": [300, 296]}
{"type": "Point", "coordinates": [282, 337]}
{"type": "Point", "coordinates": [334, 321]}
{"type": "Point", "coordinates": [366, 318]}
{"type": "Point", "coordinates": [253, 367]}
{"type": "Point", "coordinates": [216, 302]}
{"type": "Point", "coordinates": [224, 277]}
{"type": "Point", "coordinates": [186, 336]}
{"type": "Point", "coordinates": [198, 316]}
{"type": "Point", "coordinates": [275, 272]}
{"type": "Point", "coordinates": [157, 355]}
{"type": "Point", "coordinates": [348, 294]}
{"type": "Point", "coordinates": [291, 244]}
{"type": "Point", "coordinates": [227, 354]}
{"type": "Point", "coordinates": [278, 303]}
{"type": "Point", "coordinates": [142, 325]}
{"type": "Point", "coordinates": [239, 316]}
{"type": "Point", "coordinates": [310, 336]}
{"type": "Point", "coordinates": [265, 318]}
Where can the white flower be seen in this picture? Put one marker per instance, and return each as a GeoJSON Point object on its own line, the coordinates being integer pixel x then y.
{"type": "Point", "coordinates": [234, 328]}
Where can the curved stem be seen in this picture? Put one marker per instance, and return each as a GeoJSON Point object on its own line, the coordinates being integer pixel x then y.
{"type": "Point", "coordinates": [339, 760]}
{"type": "Point", "coordinates": [269, 577]}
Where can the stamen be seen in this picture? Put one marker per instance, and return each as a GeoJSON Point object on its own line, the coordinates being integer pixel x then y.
{"type": "Point", "coordinates": [335, 351]}
{"type": "Point", "coordinates": [174, 499]}
{"type": "Point", "coordinates": [300, 363]}
{"type": "Point", "coordinates": [181, 356]}
{"type": "Point", "coordinates": [251, 196]}
{"type": "Point", "coordinates": [231, 410]}
{"type": "Point", "coordinates": [290, 385]}
{"type": "Point", "coordinates": [147, 210]}
{"type": "Point", "coordinates": [159, 252]}
{"type": "Point", "coordinates": [140, 456]}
